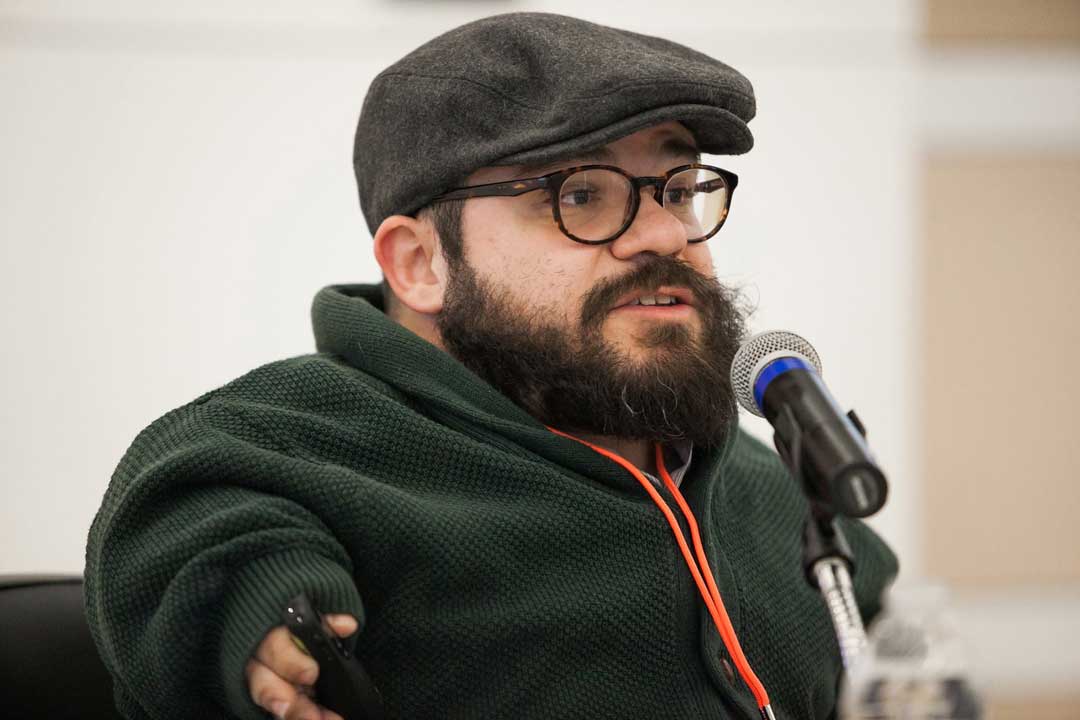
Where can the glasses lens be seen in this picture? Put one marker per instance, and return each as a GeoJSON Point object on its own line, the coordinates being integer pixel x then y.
{"type": "Point", "coordinates": [594, 204]}
{"type": "Point", "coordinates": [699, 199]}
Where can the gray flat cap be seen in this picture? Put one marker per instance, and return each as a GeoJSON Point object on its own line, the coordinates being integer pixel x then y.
{"type": "Point", "coordinates": [529, 88]}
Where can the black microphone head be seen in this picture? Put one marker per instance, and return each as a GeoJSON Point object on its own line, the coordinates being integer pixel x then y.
{"type": "Point", "coordinates": [759, 351]}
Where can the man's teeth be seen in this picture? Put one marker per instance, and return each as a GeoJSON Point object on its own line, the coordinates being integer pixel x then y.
{"type": "Point", "coordinates": [655, 300]}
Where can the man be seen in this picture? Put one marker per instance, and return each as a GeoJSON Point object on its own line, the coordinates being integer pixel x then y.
{"type": "Point", "coordinates": [497, 464]}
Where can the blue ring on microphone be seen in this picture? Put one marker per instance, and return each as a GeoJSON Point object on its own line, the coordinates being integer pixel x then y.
{"type": "Point", "coordinates": [775, 369]}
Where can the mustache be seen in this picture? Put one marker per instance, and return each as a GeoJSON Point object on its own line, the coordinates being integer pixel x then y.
{"type": "Point", "coordinates": [664, 270]}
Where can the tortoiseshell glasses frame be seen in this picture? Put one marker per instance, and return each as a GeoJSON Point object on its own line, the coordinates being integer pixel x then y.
{"type": "Point", "coordinates": [553, 183]}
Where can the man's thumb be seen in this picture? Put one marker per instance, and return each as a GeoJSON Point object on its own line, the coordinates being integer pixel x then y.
{"type": "Point", "coordinates": [343, 625]}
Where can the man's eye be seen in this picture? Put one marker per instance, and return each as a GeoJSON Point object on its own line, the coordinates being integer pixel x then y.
{"type": "Point", "coordinates": [679, 196]}
{"type": "Point", "coordinates": [577, 197]}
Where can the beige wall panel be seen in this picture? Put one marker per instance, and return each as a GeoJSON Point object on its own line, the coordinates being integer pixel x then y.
{"type": "Point", "coordinates": [1052, 708]}
{"type": "Point", "coordinates": [1002, 323]}
{"type": "Point", "coordinates": [1015, 22]}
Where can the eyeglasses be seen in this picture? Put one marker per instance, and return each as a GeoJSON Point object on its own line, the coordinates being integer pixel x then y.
{"type": "Point", "coordinates": [595, 204]}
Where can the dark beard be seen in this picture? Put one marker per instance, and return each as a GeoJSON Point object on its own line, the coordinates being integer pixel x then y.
{"type": "Point", "coordinates": [576, 381]}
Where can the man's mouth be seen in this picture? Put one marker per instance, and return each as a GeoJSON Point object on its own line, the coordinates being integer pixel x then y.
{"type": "Point", "coordinates": [654, 300]}
{"type": "Point", "coordinates": [664, 297]}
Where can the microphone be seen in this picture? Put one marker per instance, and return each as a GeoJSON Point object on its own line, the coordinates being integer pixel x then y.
{"type": "Point", "coordinates": [777, 375]}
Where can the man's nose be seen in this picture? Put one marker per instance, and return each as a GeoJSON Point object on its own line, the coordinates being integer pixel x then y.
{"type": "Point", "coordinates": [654, 230]}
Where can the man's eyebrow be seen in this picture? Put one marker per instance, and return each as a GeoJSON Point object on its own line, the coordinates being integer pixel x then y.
{"type": "Point", "coordinates": [678, 148]}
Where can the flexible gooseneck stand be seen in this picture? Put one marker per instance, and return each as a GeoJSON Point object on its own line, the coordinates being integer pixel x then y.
{"type": "Point", "coordinates": [826, 566]}
{"type": "Point", "coordinates": [828, 562]}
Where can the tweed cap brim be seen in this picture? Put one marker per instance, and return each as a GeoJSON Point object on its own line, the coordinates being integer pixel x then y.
{"type": "Point", "coordinates": [716, 131]}
{"type": "Point", "coordinates": [529, 89]}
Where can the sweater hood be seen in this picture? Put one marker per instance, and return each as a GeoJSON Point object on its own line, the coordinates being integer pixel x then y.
{"type": "Point", "coordinates": [349, 322]}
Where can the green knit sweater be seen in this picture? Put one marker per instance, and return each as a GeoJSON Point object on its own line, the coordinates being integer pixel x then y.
{"type": "Point", "coordinates": [498, 570]}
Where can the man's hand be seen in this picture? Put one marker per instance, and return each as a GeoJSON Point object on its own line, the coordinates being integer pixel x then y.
{"type": "Point", "coordinates": [281, 677]}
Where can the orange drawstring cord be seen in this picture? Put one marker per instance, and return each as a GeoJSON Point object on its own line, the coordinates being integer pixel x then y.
{"type": "Point", "coordinates": [709, 593]}
{"type": "Point", "coordinates": [727, 632]}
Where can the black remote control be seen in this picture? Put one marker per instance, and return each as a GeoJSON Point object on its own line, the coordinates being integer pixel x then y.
{"type": "Point", "coordinates": [343, 686]}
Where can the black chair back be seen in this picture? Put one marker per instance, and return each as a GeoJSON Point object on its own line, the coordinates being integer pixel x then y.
{"type": "Point", "coordinates": [49, 666]}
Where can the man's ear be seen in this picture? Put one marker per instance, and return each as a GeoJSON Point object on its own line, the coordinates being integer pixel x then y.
{"type": "Point", "coordinates": [408, 252]}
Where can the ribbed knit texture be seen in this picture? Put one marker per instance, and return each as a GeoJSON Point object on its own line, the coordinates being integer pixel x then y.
{"type": "Point", "coordinates": [498, 570]}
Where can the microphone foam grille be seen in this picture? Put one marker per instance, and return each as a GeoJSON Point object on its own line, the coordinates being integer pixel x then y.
{"type": "Point", "coordinates": [761, 348]}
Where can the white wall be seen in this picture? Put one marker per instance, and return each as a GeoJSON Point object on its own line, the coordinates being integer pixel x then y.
{"type": "Point", "coordinates": [177, 184]}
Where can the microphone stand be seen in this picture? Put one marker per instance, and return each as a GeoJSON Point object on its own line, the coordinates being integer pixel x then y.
{"type": "Point", "coordinates": [826, 559]}
{"type": "Point", "coordinates": [828, 562]}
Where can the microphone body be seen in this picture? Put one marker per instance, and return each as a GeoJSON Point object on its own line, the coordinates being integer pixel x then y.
{"type": "Point", "coordinates": [777, 376]}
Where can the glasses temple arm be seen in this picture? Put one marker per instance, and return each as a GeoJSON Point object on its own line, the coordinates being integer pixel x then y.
{"type": "Point", "coordinates": [510, 188]}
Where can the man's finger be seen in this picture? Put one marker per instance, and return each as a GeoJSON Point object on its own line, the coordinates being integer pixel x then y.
{"type": "Point", "coordinates": [304, 708]}
{"type": "Point", "coordinates": [279, 652]}
{"type": "Point", "coordinates": [343, 625]}
{"type": "Point", "coordinates": [267, 690]}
